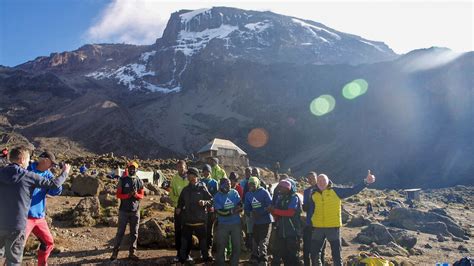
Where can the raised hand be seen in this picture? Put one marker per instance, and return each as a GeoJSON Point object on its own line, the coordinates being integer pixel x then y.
{"type": "Point", "coordinates": [370, 178]}
{"type": "Point", "coordinates": [66, 168]}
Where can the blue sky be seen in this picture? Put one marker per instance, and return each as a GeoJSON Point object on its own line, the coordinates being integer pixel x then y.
{"type": "Point", "coordinates": [31, 28]}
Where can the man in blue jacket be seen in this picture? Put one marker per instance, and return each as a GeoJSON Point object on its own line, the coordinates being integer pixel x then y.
{"type": "Point", "coordinates": [16, 187]}
{"type": "Point", "coordinates": [36, 222]}
{"type": "Point", "coordinates": [257, 200]}
{"type": "Point", "coordinates": [228, 206]}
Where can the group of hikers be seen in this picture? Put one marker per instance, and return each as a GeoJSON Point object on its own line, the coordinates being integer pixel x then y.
{"type": "Point", "coordinates": [224, 213]}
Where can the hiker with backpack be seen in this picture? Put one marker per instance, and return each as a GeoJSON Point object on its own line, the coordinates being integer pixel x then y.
{"type": "Point", "coordinates": [228, 206]}
{"type": "Point", "coordinates": [326, 219]}
{"type": "Point", "coordinates": [16, 184]}
{"type": "Point", "coordinates": [286, 210]}
{"type": "Point", "coordinates": [130, 191]}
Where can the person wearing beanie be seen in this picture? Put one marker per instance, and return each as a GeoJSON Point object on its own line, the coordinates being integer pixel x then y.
{"type": "Point", "coordinates": [216, 171]}
{"type": "Point", "coordinates": [130, 191]}
{"type": "Point", "coordinates": [228, 206]}
{"type": "Point", "coordinates": [193, 203]}
{"type": "Point", "coordinates": [211, 186]}
{"type": "Point", "coordinates": [257, 201]}
{"type": "Point", "coordinates": [287, 210]}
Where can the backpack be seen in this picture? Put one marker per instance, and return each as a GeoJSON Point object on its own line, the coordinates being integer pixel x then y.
{"type": "Point", "coordinates": [370, 259]}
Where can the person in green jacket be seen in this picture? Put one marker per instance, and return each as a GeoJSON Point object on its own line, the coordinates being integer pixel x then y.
{"type": "Point", "coordinates": [216, 171]}
{"type": "Point", "coordinates": [178, 182]}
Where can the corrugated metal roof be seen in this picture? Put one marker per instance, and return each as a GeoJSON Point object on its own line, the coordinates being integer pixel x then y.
{"type": "Point", "coordinates": [216, 143]}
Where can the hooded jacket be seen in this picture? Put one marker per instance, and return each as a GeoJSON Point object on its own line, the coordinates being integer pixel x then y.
{"type": "Point", "coordinates": [38, 197]}
{"type": "Point", "coordinates": [287, 214]}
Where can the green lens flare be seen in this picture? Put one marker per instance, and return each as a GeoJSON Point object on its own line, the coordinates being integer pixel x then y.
{"type": "Point", "coordinates": [355, 89]}
{"type": "Point", "coordinates": [322, 105]}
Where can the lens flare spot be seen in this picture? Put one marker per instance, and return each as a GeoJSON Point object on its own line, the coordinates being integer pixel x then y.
{"type": "Point", "coordinates": [355, 89]}
{"type": "Point", "coordinates": [258, 137]}
{"type": "Point", "coordinates": [322, 105]}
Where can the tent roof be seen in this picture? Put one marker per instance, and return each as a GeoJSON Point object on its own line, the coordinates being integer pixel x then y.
{"type": "Point", "coordinates": [215, 144]}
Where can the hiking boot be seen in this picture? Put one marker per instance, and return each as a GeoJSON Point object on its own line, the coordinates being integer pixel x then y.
{"type": "Point", "coordinates": [189, 259]}
{"type": "Point", "coordinates": [176, 259]}
{"type": "Point", "coordinates": [132, 256]}
{"type": "Point", "coordinates": [114, 255]}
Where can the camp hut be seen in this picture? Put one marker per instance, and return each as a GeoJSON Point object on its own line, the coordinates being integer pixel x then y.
{"type": "Point", "coordinates": [413, 194]}
{"type": "Point", "coordinates": [229, 154]}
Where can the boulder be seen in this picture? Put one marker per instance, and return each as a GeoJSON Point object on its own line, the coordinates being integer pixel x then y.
{"type": "Point", "coordinates": [375, 233]}
{"type": "Point", "coordinates": [155, 189]}
{"type": "Point", "coordinates": [156, 233]}
{"type": "Point", "coordinates": [86, 186]}
{"type": "Point", "coordinates": [166, 199]}
{"type": "Point", "coordinates": [403, 237]}
{"type": "Point", "coordinates": [427, 222]}
{"type": "Point", "coordinates": [358, 221]}
{"type": "Point", "coordinates": [345, 215]}
{"type": "Point", "coordinates": [86, 212]}
{"type": "Point", "coordinates": [107, 200]}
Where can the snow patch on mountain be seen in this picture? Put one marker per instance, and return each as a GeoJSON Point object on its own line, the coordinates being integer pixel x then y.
{"type": "Point", "coordinates": [145, 56]}
{"type": "Point", "coordinates": [311, 28]}
{"type": "Point", "coordinates": [373, 45]}
{"type": "Point", "coordinates": [186, 17]}
{"type": "Point", "coordinates": [190, 42]}
{"type": "Point", "coordinates": [259, 26]}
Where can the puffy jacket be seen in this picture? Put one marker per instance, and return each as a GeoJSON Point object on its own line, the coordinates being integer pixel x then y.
{"type": "Point", "coordinates": [177, 184]}
{"type": "Point", "coordinates": [188, 202]}
{"type": "Point", "coordinates": [327, 211]}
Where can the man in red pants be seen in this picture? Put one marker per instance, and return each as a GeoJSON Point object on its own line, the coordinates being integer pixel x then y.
{"type": "Point", "coordinates": [36, 222]}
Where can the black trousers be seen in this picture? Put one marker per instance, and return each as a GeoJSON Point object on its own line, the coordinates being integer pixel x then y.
{"type": "Point", "coordinates": [11, 246]}
{"type": "Point", "coordinates": [187, 241]}
{"type": "Point", "coordinates": [286, 249]}
{"type": "Point", "coordinates": [178, 225]}
{"type": "Point", "coordinates": [133, 219]}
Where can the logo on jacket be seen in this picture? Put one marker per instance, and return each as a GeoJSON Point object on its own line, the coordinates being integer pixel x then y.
{"type": "Point", "coordinates": [255, 203]}
{"type": "Point", "coordinates": [228, 204]}
{"type": "Point", "coordinates": [127, 185]}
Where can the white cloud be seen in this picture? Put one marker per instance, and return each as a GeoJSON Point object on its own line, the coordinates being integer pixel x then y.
{"type": "Point", "coordinates": [403, 25]}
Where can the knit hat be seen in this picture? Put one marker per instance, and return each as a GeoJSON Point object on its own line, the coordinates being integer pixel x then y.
{"type": "Point", "coordinates": [193, 171]}
{"type": "Point", "coordinates": [206, 167]}
{"type": "Point", "coordinates": [233, 176]}
{"type": "Point", "coordinates": [254, 180]}
{"type": "Point", "coordinates": [285, 184]}
{"type": "Point", "coordinates": [133, 163]}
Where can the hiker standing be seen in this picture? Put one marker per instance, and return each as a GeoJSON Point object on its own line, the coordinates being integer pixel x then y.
{"type": "Point", "coordinates": [192, 203]}
{"type": "Point", "coordinates": [287, 211]}
{"type": "Point", "coordinates": [16, 185]}
{"type": "Point", "coordinates": [130, 191]}
{"type": "Point", "coordinates": [228, 206]}
{"type": "Point", "coordinates": [211, 186]}
{"type": "Point", "coordinates": [308, 207]}
{"type": "Point", "coordinates": [216, 172]}
{"type": "Point", "coordinates": [257, 200]}
{"type": "Point", "coordinates": [234, 178]}
{"type": "Point", "coordinates": [36, 221]}
{"type": "Point", "coordinates": [326, 219]}
{"type": "Point", "coordinates": [178, 182]}
{"type": "Point", "coordinates": [248, 216]}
